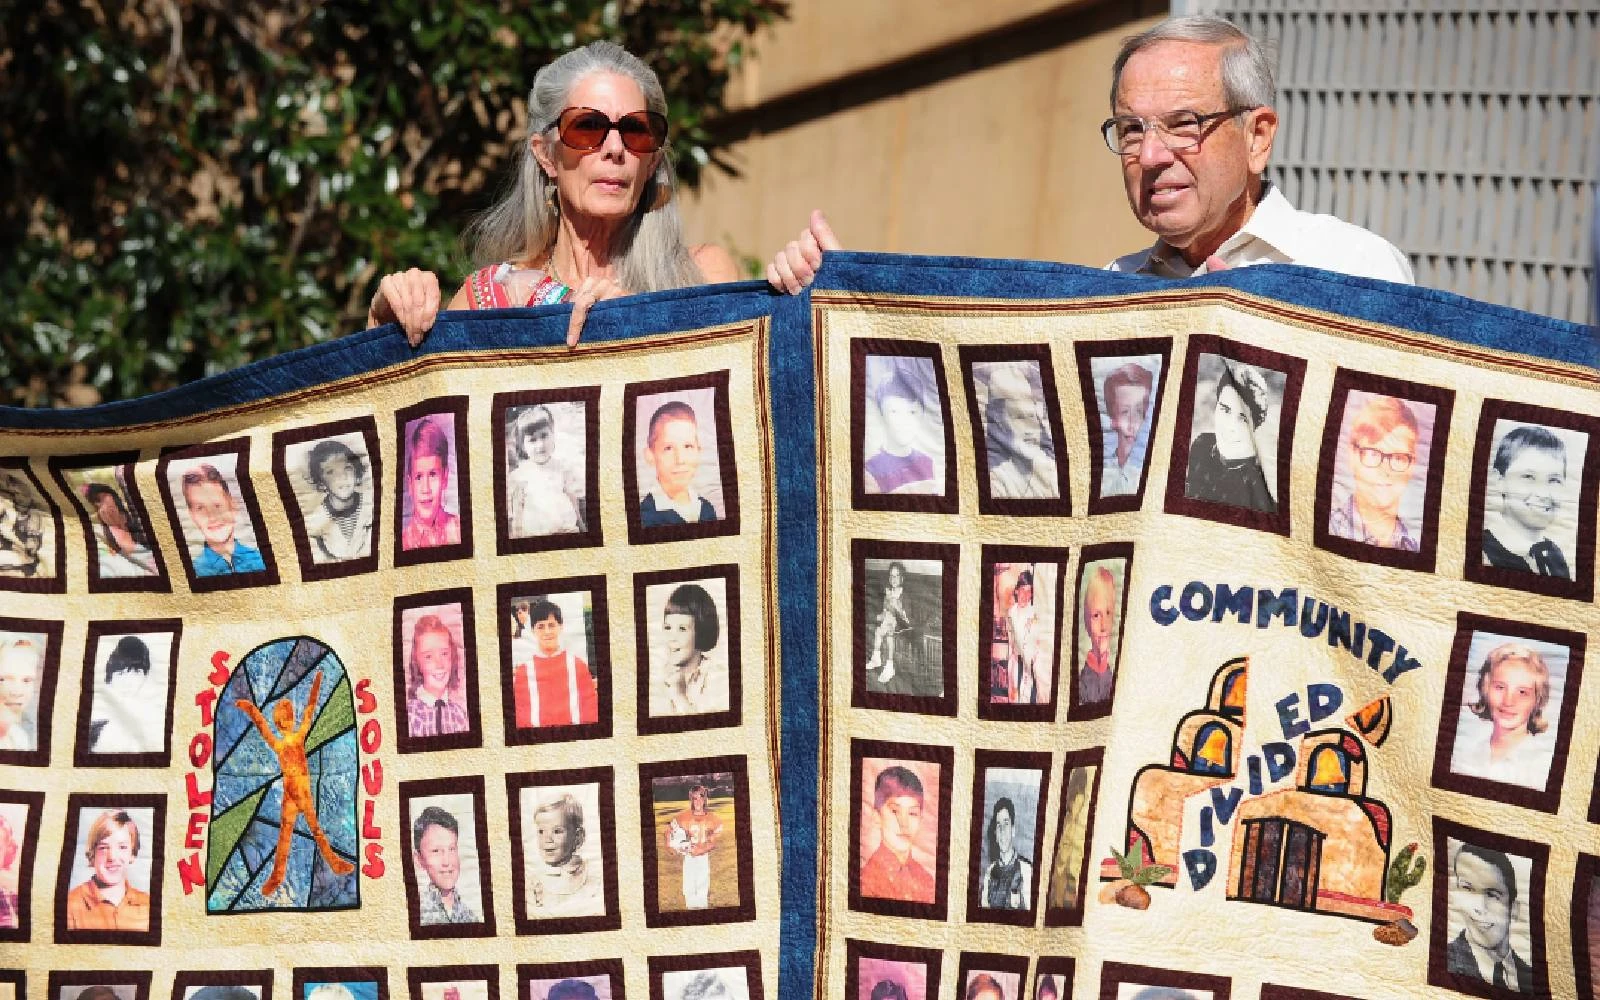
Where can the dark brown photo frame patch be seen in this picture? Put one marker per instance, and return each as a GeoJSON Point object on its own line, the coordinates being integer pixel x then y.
{"type": "Point", "coordinates": [974, 963]}
{"type": "Point", "coordinates": [1071, 913]}
{"type": "Point", "coordinates": [174, 493]}
{"type": "Point", "coordinates": [1178, 500]}
{"type": "Point", "coordinates": [1129, 352]}
{"type": "Point", "coordinates": [456, 408]}
{"type": "Point", "coordinates": [1114, 974]}
{"type": "Point", "coordinates": [921, 647]}
{"type": "Point", "coordinates": [513, 704]}
{"type": "Point", "coordinates": [1060, 967]}
{"type": "Point", "coordinates": [684, 776]}
{"type": "Point", "coordinates": [151, 845]}
{"type": "Point", "coordinates": [994, 632]}
{"type": "Point", "coordinates": [1440, 942]}
{"type": "Point", "coordinates": [25, 842]}
{"type": "Point", "coordinates": [946, 500]}
{"type": "Point", "coordinates": [602, 826]}
{"type": "Point", "coordinates": [84, 755]}
{"type": "Point", "coordinates": [747, 961]}
{"type": "Point", "coordinates": [1586, 923]}
{"type": "Point", "coordinates": [18, 981]}
{"type": "Point", "coordinates": [377, 975]}
{"type": "Point", "coordinates": [49, 672]}
{"type": "Point", "coordinates": [467, 785]}
{"type": "Point", "coordinates": [1270, 991]}
{"type": "Point", "coordinates": [419, 976]}
{"type": "Point", "coordinates": [317, 560]}
{"type": "Point", "coordinates": [651, 723]}
{"type": "Point", "coordinates": [259, 980]}
{"type": "Point", "coordinates": [634, 492]}
{"type": "Point", "coordinates": [1427, 538]}
{"type": "Point", "coordinates": [131, 505]}
{"type": "Point", "coordinates": [983, 875]}
{"type": "Point", "coordinates": [1581, 586]}
{"type": "Point", "coordinates": [140, 981]}
{"type": "Point", "coordinates": [895, 903]}
{"type": "Point", "coordinates": [931, 960]}
{"type": "Point", "coordinates": [33, 583]}
{"type": "Point", "coordinates": [506, 487]}
{"type": "Point", "coordinates": [1077, 709]}
{"type": "Point", "coordinates": [1037, 355]}
{"type": "Point", "coordinates": [472, 735]}
{"type": "Point", "coordinates": [1548, 797]}
{"type": "Point", "coordinates": [610, 968]}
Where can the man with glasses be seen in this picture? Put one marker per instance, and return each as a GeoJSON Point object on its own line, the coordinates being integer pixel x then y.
{"type": "Point", "coordinates": [1193, 124]}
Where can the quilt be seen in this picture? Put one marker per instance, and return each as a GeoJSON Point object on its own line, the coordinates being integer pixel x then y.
{"type": "Point", "coordinates": [972, 629]}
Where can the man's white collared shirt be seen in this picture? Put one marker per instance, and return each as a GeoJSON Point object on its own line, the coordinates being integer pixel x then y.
{"type": "Point", "coordinates": [1279, 233]}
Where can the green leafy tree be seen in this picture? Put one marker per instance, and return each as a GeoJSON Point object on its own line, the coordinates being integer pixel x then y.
{"type": "Point", "coordinates": [188, 185]}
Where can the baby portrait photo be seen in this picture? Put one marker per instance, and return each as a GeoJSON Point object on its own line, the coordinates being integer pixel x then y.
{"type": "Point", "coordinates": [552, 659]}
{"type": "Point", "coordinates": [128, 679]}
{"type": "Point", "coordinates": [216, 520]}
{"type": "Point", "coordinates": [123, 550]}
{"type": "Point", "coordinates": [330, 482]}
{"type": "Point", "coordinates": [433, 485]}
{"type": "Point", "coordinates": [1125, 395]}
{"type": "Point", "coordinates": [679, 469]}
{"type": "Point", "coordinates": [435, 652]}
{"type": "Point", "coordinates": [903, 427]}
{"type": "Point", "coordinates": [690, 631]}
{"type": "Point", "coordinates": [546, 468]}
{"type": "Point", "coordinates": [31, 533]}
{"type": "Point", "coordinates": [564, 870]}
{"type": "Point", "coordinates": [1011, 394]}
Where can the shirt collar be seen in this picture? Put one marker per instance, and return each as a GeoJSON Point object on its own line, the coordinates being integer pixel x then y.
{"type": "Point", "coordinates": [1486, 963]}
{"type": "Point", "coordinates": [689, 509]}
{"type": "Point", "coordinates": [1271, 222]}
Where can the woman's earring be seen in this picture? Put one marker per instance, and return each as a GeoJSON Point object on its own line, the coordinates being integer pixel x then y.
{"type": "Point", "coordinates": [552, 200]}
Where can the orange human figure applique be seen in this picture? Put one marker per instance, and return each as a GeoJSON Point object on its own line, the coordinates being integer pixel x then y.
{"type": "Point", "coordinates": [297, 798]}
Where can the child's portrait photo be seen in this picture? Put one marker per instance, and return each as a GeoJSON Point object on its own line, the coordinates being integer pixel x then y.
{"type": "Point", "coordinates": [341, 984]}
{"type": "Point", "coordinates": [695, 822]}
{"type": "Point", "coordinates": [903, 648]}
{"type": "Point", "coordinates": [214, 514]}
{"type": "Point", "coordinates": [900, 818]}
{"type": "Point", "coordinates": [454, 982]}
{"type": "Point", "coordinates": [553, 658]}
{"type": "Point", "coordinates": [1530, 514]}
{"type": "Point", "coordinates": [1069, 861]}
{"type": "Point", "coordinates": [904, 429]}
{"type": "Point", "coordinates": [447, 866]}
{"type": "Point", "coordinates": [1124, 395]}
{"type": "Point", "coordinates": [1052, 978]}
{"type": "Point", "coordinates": [434, 644]}
{"type": "Point", "coordinates": [1380, 471]}
{"type": "Point", "coordinates": [690, 631]}
{"type": "Point", "coordinates": [585, 979]}
{"type": "Point", "coordinates": [1007, 827]}
{"type": "Point", "coordinates": [731, 983]}
{"type": "Point", "coordinates": [890, 972]}
{"type": "Point", "coordinates": [1487, 923]}
{"type": "Point", "coordinates": [122, 549]}
{"type": "Point", "coordinates": [571, 988]}
{"type": "Point", "coordinates": [96, 985]}
{"type": "Point", "coordinates": [223, 985]}
{"type": "Point", "coordinates": [1011, 396]}
{"type": "Point", "coordinates": [111, 869]}
{"type": "Point", "coordinates": [27, 658]}
{"type": "Point", "coordinates": [433, 483]}
{"type": "Point", "coordinates": [1233, 451]}
{"type": "Point", "coordinates": [1586, 932]}
{"type": "Point", "coordinates": [31, 532]}
{"type": "Point", "coordinates": [125, 720]}
{"type": "Point", "coordinates": [991, 977]}
{"type": "Point", "coordinates": [1018, 648]}
{"type": "Point", "coordinates": [679, 470]}
{"type": "Point", "coordinates": [1136, 982]}
{"type": "Point", "coordinates": [1508, 711]}
{"type": "Point", "coordinates": [19, 840]}
{"type": "Point", "coordinates": [563, 833]}
{"type": "Point", "coordinates": [334, 485]}
{"type": "Point", "coordinates": [1097, 638]}
{"type": "Point", "coordinates": [546, 468]}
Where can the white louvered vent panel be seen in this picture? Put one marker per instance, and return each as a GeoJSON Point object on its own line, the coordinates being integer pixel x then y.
{"type": "Point", "coordinates": [1467, 133]}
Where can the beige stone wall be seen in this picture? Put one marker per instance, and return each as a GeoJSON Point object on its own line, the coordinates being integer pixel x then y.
{"type": "Point", "coordinates": [1001, 161]}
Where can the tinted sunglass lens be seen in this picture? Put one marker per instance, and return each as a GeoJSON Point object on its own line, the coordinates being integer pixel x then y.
{"type": "Point", "coordinates": [586, 131]}
{"type": "Point", "coordinates": [641, 133]}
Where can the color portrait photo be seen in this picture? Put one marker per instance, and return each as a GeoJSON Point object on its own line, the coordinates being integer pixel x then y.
{"type": "Point", "coordinates": [23, 656]}
{"type": "Point", "coordinates": [1530, 514]}
{"type": "Point", "coordinates": [1098, 636]}
{"type": "Point", "coordinates": [888, 979]}
{"type": "Point", "coordinates": [112, 855]}
{"type": "Point", "coordinates": [14, 825]}
{"type": "Point", "coordinates": [1233, 448]}
{"type": "Point", "coordinates": [696, 821]}
{"type": "Point", "coordinates": [1020, 450]}
{"type": "Point", "coordinates": [433, 640]}
{"type": "Point", "coordinates": [217, 991]}
{"type": "Point", "coordinates": [903, 437]}
{"type": "Point", "coordinates": [1024, 600]}
{"type": "Point", "coordinates": [1380, 472]}
{"type": "Point", "coordinates": [571, 988]}
{"type": "Point", "coordinates": [1511, 693]}
{"type": "Point", "coordinates": [546, 468]}
{"type": "Point", "coordinates": [992, 984]}
{"type": "Point", "coordinates": [899, 835]}
{"type": "Point", "coordinates": [677, 458]}
{"type": "Point", "coordinates": [335, 493]}
{"type": "Point", "coordinates": [430, 491]}
{"type": "Point", "coordinates": [446, 859]}
{"type": "Point", "coordinates": [555, 680]}
{"type": "Point", "coordinates": [1068, 860]}
{"type": "Point", "coordinates": [107, 497]}
{"type": "Point", "coordinates": [1124, 393]}
{"type": "Point", "coordinates": [457, 989]}
{"type": "Point", "coordinates": [214, 520]}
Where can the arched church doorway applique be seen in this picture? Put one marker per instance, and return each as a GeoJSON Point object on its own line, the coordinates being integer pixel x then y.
{"type": "Point", "coordinates": [284, 833]}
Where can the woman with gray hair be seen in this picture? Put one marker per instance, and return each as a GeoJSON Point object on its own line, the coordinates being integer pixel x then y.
{"type": "Point", "coordinates": [590, 213]}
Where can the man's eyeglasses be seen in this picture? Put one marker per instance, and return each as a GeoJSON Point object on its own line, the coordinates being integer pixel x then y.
{"type": "Point", "coordinates": [584, 129]}
{"type": "Point", "coordinates": [1177, 130]}
{"type": "Point", "coordinates": [1399, 461]}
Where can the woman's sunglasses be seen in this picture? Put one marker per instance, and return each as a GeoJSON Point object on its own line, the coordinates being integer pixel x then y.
{"type": "Point", "coordinates": [585, 129]}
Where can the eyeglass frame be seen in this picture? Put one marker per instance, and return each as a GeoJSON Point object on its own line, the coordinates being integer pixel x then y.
{"type": "Point", "coordinates": [611, 126]}
{"type": "Point", "coordinates": [1384, 458]}
{"type": "Point", "coordinates": [1150, 125]}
